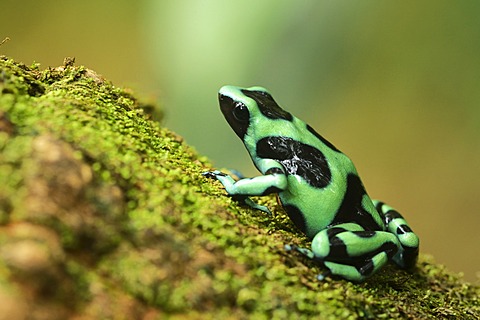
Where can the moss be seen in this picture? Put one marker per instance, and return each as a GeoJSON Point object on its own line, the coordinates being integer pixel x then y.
{"type": "Point", "coordinates": [105, 214]}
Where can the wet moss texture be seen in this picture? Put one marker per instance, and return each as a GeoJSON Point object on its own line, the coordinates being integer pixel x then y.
{"type": "Point", "coordinates": [105, 214]}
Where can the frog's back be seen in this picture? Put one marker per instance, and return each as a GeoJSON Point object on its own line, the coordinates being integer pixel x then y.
{"type": "Point", "coordinates": [318, 186]}
{"type": "Point", "coordinates": [324, 188]}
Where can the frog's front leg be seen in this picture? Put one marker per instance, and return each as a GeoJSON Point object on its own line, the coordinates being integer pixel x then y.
{"type": "Point", "coordinates": [351, 252]}
{"type": "Point", "coordinates": [274, 181]}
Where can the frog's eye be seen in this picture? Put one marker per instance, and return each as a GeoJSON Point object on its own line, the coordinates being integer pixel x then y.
{"type": "Point", "coordinates": [240, 112]}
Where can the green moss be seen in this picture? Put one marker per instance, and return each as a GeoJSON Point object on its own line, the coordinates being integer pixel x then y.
{"type": "Point", "coordinates": [131, 228]}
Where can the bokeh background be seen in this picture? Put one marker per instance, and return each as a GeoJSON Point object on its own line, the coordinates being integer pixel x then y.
{"type": "Point", "coordinates": [395, 85]}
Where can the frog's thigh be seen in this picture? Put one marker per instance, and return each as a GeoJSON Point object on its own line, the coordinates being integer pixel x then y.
{"type": "Point", "coordinates": [353, 253]}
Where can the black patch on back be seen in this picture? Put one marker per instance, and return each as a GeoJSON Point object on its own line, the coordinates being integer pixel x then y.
{"type": "Point", "coordinates": [325, 141]}
{"type": "Point", "coordinates": [351, 209]}
{"type": "Point", "coordinates": [297, 158]}
{"type": "Point", "coordinates": [296, 216]}
{"type": "Point", "coordinates": [267, 105]}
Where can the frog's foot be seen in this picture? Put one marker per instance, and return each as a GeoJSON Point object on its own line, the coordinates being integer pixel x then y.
{"type": "Point", "coordinates": [213, 174]}
{"type": "Point", "coordinates": [249, 202]}
{"type": "Point", "coordinates": [309, 254]}
{"type": "Point", "coordinates": [323, 275]}
{"type": "Point", "coordinates": [227, 181]}
{"type": "Point", "coordinates": [229, 184]}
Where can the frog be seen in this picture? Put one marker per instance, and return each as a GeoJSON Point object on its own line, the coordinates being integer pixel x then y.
{"type": "Point", "coordinates": [317, 185]}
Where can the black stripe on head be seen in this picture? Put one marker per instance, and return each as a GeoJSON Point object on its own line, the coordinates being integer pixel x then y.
{"type": "Point", "coordinates": [297, 158]}
{"type": "Point", "coordinates": [325, 141]}
{"type": "Point", "coordinates": [268, 107]}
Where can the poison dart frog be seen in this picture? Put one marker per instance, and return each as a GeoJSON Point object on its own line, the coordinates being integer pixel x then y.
{"type": "Point", "coordinates": [317, 185]}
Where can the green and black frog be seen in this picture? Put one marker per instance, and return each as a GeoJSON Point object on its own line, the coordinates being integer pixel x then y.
{"type": "Point", "coordinates": [352, 235]}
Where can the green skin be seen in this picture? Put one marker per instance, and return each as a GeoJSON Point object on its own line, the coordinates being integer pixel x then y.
{"type": "Point", "coordinates": [352, 235]}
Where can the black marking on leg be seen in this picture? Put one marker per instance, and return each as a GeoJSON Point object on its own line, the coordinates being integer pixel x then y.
{"type": "Point", "coordinates": [268, 107]}
{"type": "Point", "coordinates": [379, 206]}
{"type": "Point", "coordinates": [389, 248]}
{"type": "Point", "coordinates": [402, 229]}
{"type": "Point", "coordinates": [297, 158]}
{"type": "Point", "coordinates": [325, 141]}
{"type": "Point", "coordinates": [351, 209]}
{"type": "Point", "coordinates": [274, 170]}
{"type": "Point", "coordinates": [296, 216]}
{"type": "Point", "coordinates": [391, 215]}
{"type": "Point", "coordinates": [365, 234]}
{"type": "Point", "coordinates": [338, 250]}
{"type": "Point", "coordinates": [333, 231]}
{"type": "Point", "coordinates": [409, 257]}
{"type": "Point", "coordinates": [365, 264]}
{"type": "Point", "coordinates": [366, 268]}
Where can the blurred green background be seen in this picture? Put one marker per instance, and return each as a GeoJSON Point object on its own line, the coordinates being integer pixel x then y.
{"type": "Point", "coordinates": [395, 85]}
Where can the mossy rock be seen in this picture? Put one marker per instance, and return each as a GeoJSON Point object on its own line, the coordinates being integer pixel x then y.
{"type": "Point", "coordinates": [105, 214]}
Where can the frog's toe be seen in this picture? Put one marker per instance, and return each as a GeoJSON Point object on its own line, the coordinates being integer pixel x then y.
{"type": "Point", "coordinates": [237, 173]}
{"type": "Point", "coordinates": [306, 252]}
{"type": "Point", "coordinates": [212, 174]}
{"type": "Point", "coordinates": [208, 174]}
{"type": "Point", "coordinates": [323, 275]}
{"type": "Point", "coordinates": [255, 205]}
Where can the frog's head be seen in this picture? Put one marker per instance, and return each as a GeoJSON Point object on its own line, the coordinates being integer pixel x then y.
{"type": "Point", "coordinates": [243, 106]}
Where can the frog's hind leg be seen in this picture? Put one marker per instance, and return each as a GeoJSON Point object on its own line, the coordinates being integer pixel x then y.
{"type": "Point", "coordinates": [351, 252]}
{"type": "Point", "coordinates": [396, 224]}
